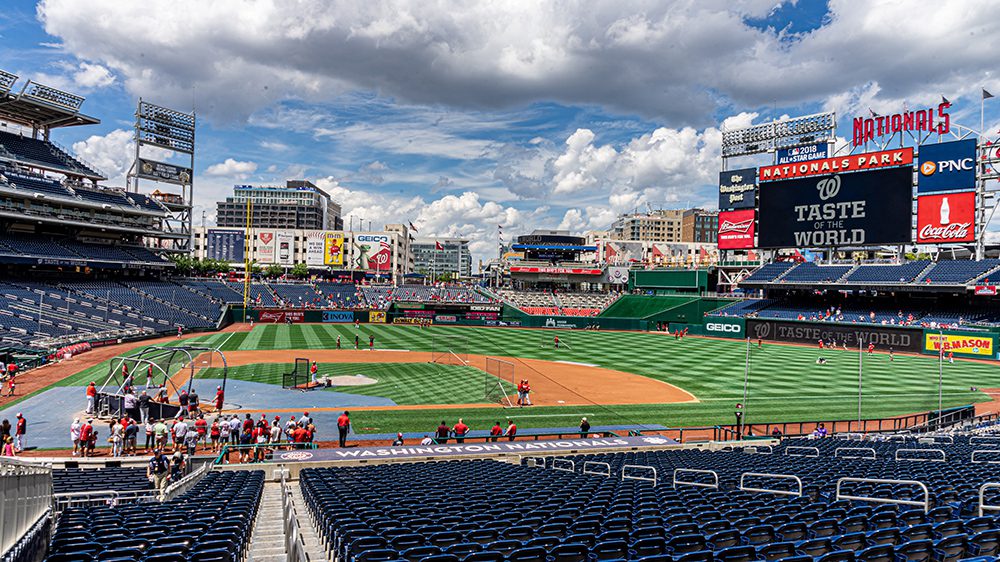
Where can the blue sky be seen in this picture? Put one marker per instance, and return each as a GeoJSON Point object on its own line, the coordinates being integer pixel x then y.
{"type": "Point", "coordinates": [461, 116]}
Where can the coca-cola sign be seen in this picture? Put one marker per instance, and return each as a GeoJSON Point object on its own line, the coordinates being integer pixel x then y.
{"type": "Point", "coordinates": [946, 219]}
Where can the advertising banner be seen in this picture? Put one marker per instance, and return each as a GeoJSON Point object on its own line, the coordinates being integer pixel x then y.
{"type": "Point", "coordinates": [840, 210]}
{"type": "Point", "coordinates": [617, 251]}
{"type": "Point", "coordinates": [278, 316]}
{"type": "Point", "coordinates": [161, 171]}
{"type": "Point", "coordinates": [985, 291]}
{"type": "Point", "coordinates": [736, 229]}
{"type": "Point", "coordinates": [225, 245]}
{"type": "Point", "coordinates": [838, 164]}
{"type": "Point", "coordinates": [373, 252]}
{"type": "Point", "coordinates": [964, 344]}
{"type": "Point", "coordinates": [884, 337]}
{"type": "Point", "coordinates": [556, 270]}
{"type": "Point", "coordinates": [724, 327]}
{"type": "Point", "coordinates": [947, 166]}
{"type": "Point", "coordinates": [285, 243]}
{"type": "Point", "coordinates": [738, 189]}
{"type": "Point", "coordinates": [338, 316]}
{"type": "Point", "coordinates": [376, 316]}
{"type": "Point", "coordinates": [315, 240]}
{"type": "Point", "coordinates": [946, 219]}
{"type": "Point", "coordinates": [265, 247]}
{"type": "Point", "coordinates": [798, 154]}
{"type": "Point", "coordinates": [446, 318]}
{"type": "Point", "coordinates": [333, 249]}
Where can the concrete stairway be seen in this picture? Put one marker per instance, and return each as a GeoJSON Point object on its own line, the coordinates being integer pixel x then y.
{"type": "Point", "coordinates": [307, 528]}
{"type": "Point", "coordinates": [267, 543]}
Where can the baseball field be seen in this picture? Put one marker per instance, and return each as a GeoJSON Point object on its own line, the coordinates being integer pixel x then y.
{"type": "Point", "coordinates": [613, 378]}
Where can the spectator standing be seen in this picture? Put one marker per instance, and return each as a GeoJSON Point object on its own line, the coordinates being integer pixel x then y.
{"type": "Point", "coordinates": [193, 401]}
{"type": "Point", "coordinates": [201, 427]}
{"type": "Point", "coordinates": [7, 449]}
{"type": "Point", "coordinates": [115, 437]}
{"type": "Point", "coordinates": [86, 434]}
{"type": "Point", "coordinates": [177, 465]}
{"type": "Point", "coordinates": [91, 396]}
{"type": "Point", "coordinates": [131, 435]}
{"type": "Point", "coordinates": [584, 428]}
{"type": "Point", "coordinates": [511, 430]}
{"type": "Point", "coordinates": [305, 419]}
{"type": "Point", "coordinates": [130, 402]}
{"type": "Point", "coordinates": [150, 429]}
{"type": "Point", "coordinates": [234, 430]}
{"type": "Point", "coordinates": [74, 434]}
{"type": "Point", "coordinates": [427, 440]}
{"type": "Point", "coordinates": [441, 435]}
{"type": "Point", "coordinates": [160, 432]}
{"type": "Point", "coordinates": [143, 401]}
{"type": "Point", "coordinates": [20, 433]}
{"type": "Point", "coordinates": [344, 427]}
{"type": "Point", "coordinates": [179, 430]}
{"type": "Point", "coordinates": [398, 442]}
{"type": "Point", "coordinates": [496, 431]}
{"type": "Point", "coordinates": [220, 398]}
{"type": "Point", "coordinates": [213, 434]}
{"type": "Point", "coordinates": [191, 439]}
{"type": "Point", "coordinates": [158, 472]}
{"type": "Point", "coordinates": [224, 429]}
{"type": "Point", "coordinates": [276, 431]}
{"type": "Point", "coordinates": [461, 430]}
{"type": "Point", "coordinates": [183, 400]}
{"type": "Point", "coordinates": [11, 385]}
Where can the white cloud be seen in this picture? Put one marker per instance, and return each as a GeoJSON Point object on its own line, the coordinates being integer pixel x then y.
{"type": "Point", "coordinates": [113, 154]}
{"type": "Point", "coordinates": [91, 76]}
{"type": "Point", "coordinates": [232, 168]}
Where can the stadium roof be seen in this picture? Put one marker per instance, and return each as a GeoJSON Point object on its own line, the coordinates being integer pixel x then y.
{"type": "Point", "coordinates": [39, 106]}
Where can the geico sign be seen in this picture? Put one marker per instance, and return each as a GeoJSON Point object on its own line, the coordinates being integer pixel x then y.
{"type": "Point", "coordinates": [717, 327]}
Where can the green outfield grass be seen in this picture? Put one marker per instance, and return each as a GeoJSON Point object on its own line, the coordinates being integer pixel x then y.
{"type": "Point", "coordinates": [786, 384]}
{"type": "Point", "coordinates": [403, 383]}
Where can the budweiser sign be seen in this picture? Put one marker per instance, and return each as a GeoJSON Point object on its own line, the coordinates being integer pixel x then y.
{"type": "Point", "coordinates": [851, 163]}
{"type": "Point", "coordinates": [946, 219]}
{"type": "Point", "coordinates": [736, 229]}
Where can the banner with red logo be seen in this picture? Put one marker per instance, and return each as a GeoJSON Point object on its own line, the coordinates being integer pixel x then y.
{"type": "Point", "coordinates": [986, 290]}
{"type": "Point", "coordinates": [946, 219]}
{"type": "Point", "coordinates": [279, 316]}
{"type": "Point", "coordinates": [849, 163]}
{"type": "Point", "coordinates": [736, 229]}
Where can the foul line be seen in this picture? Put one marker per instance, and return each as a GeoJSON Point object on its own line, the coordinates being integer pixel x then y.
{"type": "Point", "coordinates": [577, 363]}
{"type": "Point", "coordinates": [574, 414]}
{"type": "Point", "coordinates": [837, 396]}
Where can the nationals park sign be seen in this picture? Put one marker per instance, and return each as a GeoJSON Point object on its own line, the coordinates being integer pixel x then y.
{"type": "Point", "coordinates": [470, 449]}
{"type": "Point", "coordinates": [839, 164]}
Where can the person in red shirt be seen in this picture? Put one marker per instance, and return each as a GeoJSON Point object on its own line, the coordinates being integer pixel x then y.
{"type": "Point", "coordinates": [312, 372]}
{"type": "Point", "coordinates": [214, 433]}
{"type": "Point", "coordinates": [220, 397]}
{"type": "Point", "coordinates": [460, 430]}
{"type": "Point", "coordinates": [86, 434]}
{"type": "Point", "coordinates": [821, 344]}
{"type": "Point", "coordinates": [496, 431]}
{"type": "Point", "coordinates": [20, 433]}
{"type": "Point", "coordinates": [201, 426]}
{"type": "Point", "coordinates": [511, 430]}
{"type": "Point", "coordinates": [10, 386]}
{"type": "Point", "coordinates": [556, 340]}
{"type": "Point", "coordinates": [300, 435]}
{"type": "Point", "coordinates": [344, 427]}
{"type": "Point", "coordinates": [871, 348]}
{"type": "Point", "coordinates": [11, 369]}
{"type": "Point", "coordinates": [951, 357]}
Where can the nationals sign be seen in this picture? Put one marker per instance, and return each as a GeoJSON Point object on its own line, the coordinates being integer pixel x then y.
{"type": "Point", "coordinates": [850, 163]}
{"type": "Point", "coordinates": [736, 229]}
{"type": "Point", "coordinates": [946, 219]}
{"type": "Point", "coordinates": [869, 128]}
{"type": "Point", "coordinates": [839, 210]}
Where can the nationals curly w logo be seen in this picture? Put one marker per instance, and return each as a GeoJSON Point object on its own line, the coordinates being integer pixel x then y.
{"type": "Point", "coordinates": [828, 187]}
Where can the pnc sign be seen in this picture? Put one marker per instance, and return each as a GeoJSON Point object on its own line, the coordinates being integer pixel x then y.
{"type": "Point", "coordinates": [947, 166]}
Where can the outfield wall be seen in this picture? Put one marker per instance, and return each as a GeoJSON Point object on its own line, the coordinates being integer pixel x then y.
{"type": "Point", "coordinates": [978, 345]}
{"type": "Point", "coordinates": [884, 337]}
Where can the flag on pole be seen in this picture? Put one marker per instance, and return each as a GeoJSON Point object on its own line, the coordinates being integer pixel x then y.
{"type": "Point", "coordinates": [945, 100]}
{"type": "Point", "coordinates": [438, 246]}
{"type": "Point", "coordinates": [986, 94]}
{"type": "Point", "coordinates": [413, 228]}
{"type": "Point", "coordinates": [872, 112]}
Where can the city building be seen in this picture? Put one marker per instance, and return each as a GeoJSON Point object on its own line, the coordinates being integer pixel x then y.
{"type": "Point", "coordinates": [699, 225]}
{"type": "Point", "coordinates": [663, 225]}
{"type": "Point", "coordinates": [453, 256]}
{"type": "Point", "coordinates": [298, 204]}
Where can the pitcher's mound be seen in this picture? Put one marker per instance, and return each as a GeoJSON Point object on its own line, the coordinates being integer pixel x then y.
{"type": "Point", "coordinates": [348, 380]}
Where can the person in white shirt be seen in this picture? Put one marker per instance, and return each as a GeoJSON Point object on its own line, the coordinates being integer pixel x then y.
{"type": "Point", "coordinates": [74, 434]}
{"type": "Point", "coordinates": [180, 429]}
{"type": "Point", "coordinates": [427, 440]}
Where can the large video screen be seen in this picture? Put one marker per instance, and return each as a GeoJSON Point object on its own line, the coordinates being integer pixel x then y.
{"type": "Point", "coordinates": [861, 208]}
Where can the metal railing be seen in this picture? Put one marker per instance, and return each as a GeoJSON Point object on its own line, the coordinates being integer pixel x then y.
{"type": "Point", "coordinates": [535, 462]}
{"type": "Point", "coordinates": [110, 498]}
{"type": "Point", "coordinates": [972, 458]}
{"type": "Point", "coordinates": [759, 450]}
{"type": "Point", "coordinates": [26, 494]}
{"type": "Point", "coordinates": [588, 464]}
{"type": "Point", "coordinates": [295, 546]}
{"type": "Point", "coordinates": [925, 504]}
{"type": "Point", "coordinates": [942, 459]}
{"type": "Point", "coordinates": [184, 484]}
{"type": "Point", "coordinates": [223, 457]}
{"type": "Point", "coordinates": [851, 451]}
{"type": "Point", "coordinates": [771, 490]}
{"type": "Point", "coordinates": [562, 465]}
{"type": "Point", "coordinates": [983, 506]}
{"type": "Point", "coordinates": [714, 474]}
{"type": "Point", "coordinates": [639, 467]}
{"type": "Point", "coordinates": [788, 451]}
{"type": "Point", "coordinates": [985, 440]}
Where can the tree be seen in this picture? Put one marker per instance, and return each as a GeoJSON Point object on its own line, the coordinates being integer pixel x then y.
{"type": "Point", "coordinates": [183, 263]}
{"type": "Point", "coordinates": [300, 270]}
{"type": "Point", "coordinates": [274, 271]}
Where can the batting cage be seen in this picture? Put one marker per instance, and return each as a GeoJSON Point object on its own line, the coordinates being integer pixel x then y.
{"type": "Point", "coordinates": [498, 373]}
{"type": "Point", "coordinates": [448, 349]}
{"type": "Point", "coordinates": [299, 377]}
